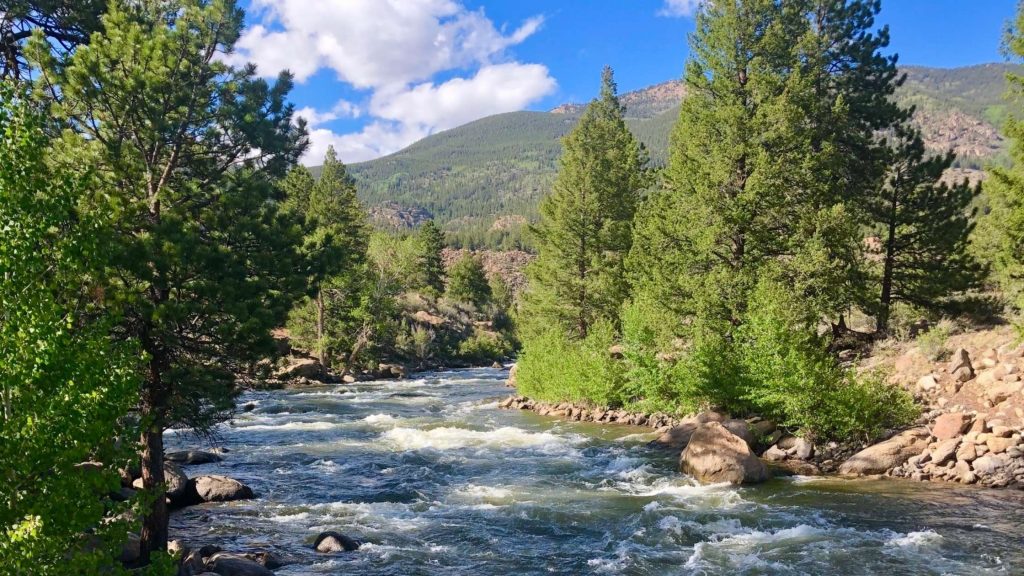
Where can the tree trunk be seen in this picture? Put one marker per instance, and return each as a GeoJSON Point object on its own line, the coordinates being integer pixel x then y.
{"type": "Point", "coordinates": [885, 299]}
{"type": "Point", "coordinates": [320, 326]}
{"type": "Point", "coordinates": [154, 528]}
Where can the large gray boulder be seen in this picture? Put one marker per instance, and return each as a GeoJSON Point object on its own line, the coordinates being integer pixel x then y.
{"type": "Point", "coordinates": [217, 488]}
{"type": "Point", "coordinates": [715, 455]}
{"type": "Point", "coordinates": [885, 456]}
{"type": "Point", "coordinates": [175, 480]}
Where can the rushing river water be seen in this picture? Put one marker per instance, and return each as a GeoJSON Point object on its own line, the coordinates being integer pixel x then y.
{"type": "Point", "coordinates": [437, 480]}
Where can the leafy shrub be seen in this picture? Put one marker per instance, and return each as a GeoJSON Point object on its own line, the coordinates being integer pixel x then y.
{"type": "Point", "coordinates": [932, 343]}
{"type": "Point", "coordinates": [483, 346]}
{"type": "Point", "coordinates": [553, 368]}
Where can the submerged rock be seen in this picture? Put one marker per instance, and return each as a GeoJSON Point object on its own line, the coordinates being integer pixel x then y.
{"type": "Point", "coordinates": [331, 542]}
{"type": "Point", "coordinates": [885, 456]}
{"type": "Point", "coordinates": [192, 457]}
{"type": "Point", "coordinates": [714, 455]}
{"type": "Point", "coordinates": [226, 564]}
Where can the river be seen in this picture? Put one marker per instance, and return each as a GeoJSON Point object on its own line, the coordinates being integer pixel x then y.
{"type": "Point", "coordinates": [437, 480]}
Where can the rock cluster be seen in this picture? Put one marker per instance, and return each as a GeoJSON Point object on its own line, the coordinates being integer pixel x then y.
{"type": "Point", "coordinates": [966, 448]}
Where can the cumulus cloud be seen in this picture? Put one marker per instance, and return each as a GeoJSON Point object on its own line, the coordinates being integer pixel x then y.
{"type": "Point", "coordinates": [373, 43]}
{"type": "Point", "coordinates": [393, 49]}
{"type": "Point", "coordinates": [681, 7]}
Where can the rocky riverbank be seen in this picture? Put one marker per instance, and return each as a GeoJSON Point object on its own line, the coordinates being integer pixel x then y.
{"type": "Point", "coordinates": [713, 447]}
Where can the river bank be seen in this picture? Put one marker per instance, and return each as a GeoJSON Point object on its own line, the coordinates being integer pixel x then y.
{"type": "Point", "coordinates": [435, 478]}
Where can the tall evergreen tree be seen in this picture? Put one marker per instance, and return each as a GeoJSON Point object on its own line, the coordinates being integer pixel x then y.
{"type": "Point", "coordinates": [1000, 238]}
{"type": "Point", "coordinates": [431, 268]}
{"type": "Point", "coordinates": [586, 224]}
{"type": "Point", "coordinates": [190, 150]}
{"type": "Point", "coordinates": [335, 249]}
{"type": "Point", "coordinates": [927, 224]}
{"type": "Point", "coordinates": [467, 282]}
{"type": "Point", "coordinates": [700, 241]}
{"type": "Point", "coordinates": [64, 24]}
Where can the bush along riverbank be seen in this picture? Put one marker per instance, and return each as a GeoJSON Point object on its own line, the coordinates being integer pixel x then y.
{"type": "Point", "coordinates": [970, 433]}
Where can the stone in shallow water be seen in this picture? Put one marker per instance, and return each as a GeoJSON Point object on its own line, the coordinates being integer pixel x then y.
{"type": "Point", "coordinates": [331, 542]}
{"type": "Point", "coordinates": [716, 455]}
{"type": "Point", "coordinates": [885, 456]}
{"type": "Point", "coordinates": [235, 565]}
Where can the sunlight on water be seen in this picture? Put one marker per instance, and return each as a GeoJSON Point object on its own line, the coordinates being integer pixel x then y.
{"type": "Point", "coordinates": [437, 480]}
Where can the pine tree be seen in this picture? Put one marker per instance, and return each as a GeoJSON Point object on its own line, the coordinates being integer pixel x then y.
{"type": "Point", "coordinates": [467, 282]}
{"type": "Point", "coordinates": [190, 150]}
{"type": "Point", "coordinates": [927, 225]}
{"type": "Point", "coordinates": [335, 249]}
{"type": "Point", "coordinates": [700, 241]}
{"type": "Point", "coordinates": [431, 268]}
{"type": "Point", "coordinates": [1000, 238]}
{"type": "Point", "coordinates": [63, 24]}
{"type": "Point", "coordinates": [586, 224]}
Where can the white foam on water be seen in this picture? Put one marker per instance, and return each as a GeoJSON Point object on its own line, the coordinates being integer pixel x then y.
{"type": "Point", "coordinates": [916, 540]}
{"type": "Point", "coordinates": [381, 419]}
{"type": "Point", "coordinates": [305, 426]}
{"type": "Point", "coordinates": [450, 438]}
{"type": "Point", "coordinates": [289, 518]}
{"type": "Point", "coordinates": [483, 492]}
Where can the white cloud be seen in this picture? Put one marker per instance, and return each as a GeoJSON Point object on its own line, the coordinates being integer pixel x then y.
{"type": "Point", "coordinates": [680, 7]}
{"type": "Point", "coordinates": [493, 90]}
{"type": "Point", "coordinates": [373, 43]}
{"type": "Point", "coordinates": [394, 49]}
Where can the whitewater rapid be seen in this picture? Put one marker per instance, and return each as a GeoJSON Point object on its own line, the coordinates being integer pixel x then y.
{"type": "Point", "coordinates": [437, 480]}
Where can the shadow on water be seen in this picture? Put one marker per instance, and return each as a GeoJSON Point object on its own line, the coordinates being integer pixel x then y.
{"type": "Point", "coordinates": [437, 480]}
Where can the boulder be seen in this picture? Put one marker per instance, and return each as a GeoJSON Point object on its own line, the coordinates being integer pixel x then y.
{"type": "Point", "coordinates": [944, 451]}
{"type": "Point", "coordinates": [950, 425]}
{"type": "Point", "coordinates": [775, 454]}
{"type": "Point", "coordinates": [997, 445]}
{"type": "Point", "coordinates": [390, 371]}
{"type": "Point", "coordinates": [740, 428]}
{"type": "Point", "coordinates": [987, 465]}
{"type": "Point", "coordinates": [131, 551]}
{"type": "Point", "coordinates": [884, 456]}
{"type": "Point", "coordinates": [297, 368]}
{"type": "Point", "coordinates": [333, 542]}
{"type": "Point", "coordinates": [967, 452]}
{"type": "Point", "coordinates": [193, 457]}
{"type": "Point", "coordinates": [216, 488]}
{"type": "Point", "coordinates": [226, 564]}
{"type": "Point", "coordinates": [714, 455]}
{"type": "Point", "coordinates": [1003, 391]}
{"type": "Point", "coordinates": [802, 449]}
{"type": "Point", "coordinates": [191, 563]}
{"type": "Point", "coordinates": [927, 383]}
{"type": "Point", "coordinates": [960, 366]}
{"type": "Point", "coordinates": [795, 468]}
{"type": "Point", "coordinates": [175, 480]}
{"type": "Point", "coordinates": [676, 438]}
{"type": "Point", "coordinates": [511, 382]}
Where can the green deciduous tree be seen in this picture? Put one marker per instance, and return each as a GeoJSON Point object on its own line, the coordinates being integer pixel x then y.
{"type": "Point", "coordinates": [467, 282]}
{"type": "Point", "coordinates": [586, 224]}
{"type": "Point", "coordinates": [189, 150]}
{"type": "Point", "coordinates": [65, 386]}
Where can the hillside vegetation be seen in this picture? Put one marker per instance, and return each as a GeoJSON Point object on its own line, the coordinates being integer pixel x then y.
{"type": "Point", "coordinates": [469, 177]}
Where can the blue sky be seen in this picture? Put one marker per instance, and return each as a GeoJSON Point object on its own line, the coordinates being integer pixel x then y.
{"type": "Point", "coordinates": [376, 75]}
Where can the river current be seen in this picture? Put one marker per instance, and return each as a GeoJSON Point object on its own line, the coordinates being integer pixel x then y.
{"type": "Point", "coordinates": [435, 479]}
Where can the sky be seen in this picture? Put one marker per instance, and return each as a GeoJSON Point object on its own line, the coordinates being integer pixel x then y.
{"type": "Point", "coordinates": [373, 76]}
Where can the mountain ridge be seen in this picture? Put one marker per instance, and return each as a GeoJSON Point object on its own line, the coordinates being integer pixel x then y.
{"type": "Point", "coordinates": [470, 177]}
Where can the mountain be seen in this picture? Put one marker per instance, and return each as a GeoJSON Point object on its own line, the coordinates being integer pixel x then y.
{"type": "Point", "coordinates": [481, 181]}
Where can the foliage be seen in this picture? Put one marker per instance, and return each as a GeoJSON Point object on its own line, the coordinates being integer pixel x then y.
{"type": "Point", "coordinates": [932, 343]}
{"type": "Point", "coordinates": [333, 251]}
{"type": "Point", "coordinates": [431, 269]}
{"type": "Point", "coordinates": [189, 149]}
{"type": "Point", "coordinates": [586, 224]}
{"type": "Point", "coordinates": [65, 387]}
{"type": "Point", "coordinates": [63, 24]}
{"type": "Point", "coordinates": [467, 282]}
{"type": "Point", "coordinates": [553, 368]}
{"type": "Point", "coordinates": [926, 227]}
{"type": "Point", "coordinates": [484, 346]}
{"type": "Point", "coordinates": [1000, 238]}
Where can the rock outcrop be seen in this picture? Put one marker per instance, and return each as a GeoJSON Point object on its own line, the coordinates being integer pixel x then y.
{"type": "Point", "coordinates": [332, 542]}
{"type": "Point", "coordinates": [885, 456]}
{"type": "Point", "coordinates": [715, 455]}
{"type": "Point", "coordinates": [215, 488]}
